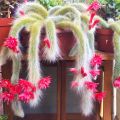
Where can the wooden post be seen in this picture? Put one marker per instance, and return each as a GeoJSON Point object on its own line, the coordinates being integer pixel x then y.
{"type": "Point", "coordinates": [107, 108]}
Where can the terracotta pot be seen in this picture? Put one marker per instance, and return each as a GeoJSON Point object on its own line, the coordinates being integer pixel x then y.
{"type": "Point", "coordinates": [66, 41]}
{"type": "Point", "coordinates": [104, 39]}
{"type": "Point", "coordinates": [5, 24]}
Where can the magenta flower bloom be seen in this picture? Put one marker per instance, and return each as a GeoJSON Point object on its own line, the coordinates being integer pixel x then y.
{"type": "Point", "coordinates": [26, 96]}
{"type": "Point", "coordinates": [92, 22]}
{"type": "Point", "coordinates": [44, 82]}
{"type": "Point", "coordinates": [96, 60]}
{"type": "Point", "coordinates": [116, 83]}
{"type": "Point", "coordinates": [26, 86]}
{"type": "Point", "coordinates": [47, 42]}
{"type": "Point", "coordinates": [94, 6]}
{"type": "Point", "coordinates": [84, 74]}
{"type": "Point", "coordinates": [74, 84]}
{"type": "Point", "coordinates": [73, 70]}
{"type": "Point", "coordinates": [95, 73]}
{"type": "Point", "coordinates": [12, 44]}
{"type": "Point", "coordinates": [7, 97]}
{"type": "Point", "coordinates": [91, 85]}
{"type": "Point", "coordinates": [99, 96]}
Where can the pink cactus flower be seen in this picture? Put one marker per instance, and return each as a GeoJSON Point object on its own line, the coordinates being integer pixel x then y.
{"type": "Point", "coordinates": [116, 83]}
{"type": "Point", "coordinates": [73, 70]}
{"type": "Point", "coordinates": [44, 82]}
{"type": "Point", "coordinates": [95, 73]}
{"type": "Point", "coordinates": [96, 60]}
{"type": "Point", "coordinates": [74, 84]}
{"type": "Point", "coordinates": [47, 42]}
{"type": "Point", "coordinates": [92, 22]}
{"type": "Point", "coordinates": [84, 74]}
{"type": "Point", "coordinates": [7, 97]}
{"type": "Point", "coordinates": [12, 44]}
{"type": "Point", "coordinates": [26, 96]}
{"type": "Point", "coordinates": [99, 96]}
{"type": "Point", "coordinates": [94, 6]}
{"type": "Point", "coordinates": [91, 85]}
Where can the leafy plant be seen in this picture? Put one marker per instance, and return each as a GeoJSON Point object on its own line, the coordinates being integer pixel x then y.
{"type": "Point", "coordinates": [50, 3]}
{"type": "Point", "coordinates": [109, 9]}
{"type": "Point", "coordinates": [3, 117]}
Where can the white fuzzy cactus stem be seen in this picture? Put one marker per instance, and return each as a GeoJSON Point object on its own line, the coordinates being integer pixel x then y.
{"type": "Point", "coordinates": [53, 52]}
{"type": "Point", "coordinates": [34, 71]}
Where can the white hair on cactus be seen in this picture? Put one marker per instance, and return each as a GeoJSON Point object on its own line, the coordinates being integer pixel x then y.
{"type": "Point", "coordinates": [28, 7]}
{"type": "Point", "coordinates": [53, 52]}
{"type": "Point", "coordinates": [80, 6]}
{"type": "Point", "coordinates": [37, 95]}
{"type": "Point", "coordinates": [34, 72]}
{"type": "Point", "coordinates": [86, 102]}
{"type": "Point", "coordinates": [3, 56]}
{"type": "Point", "coordinates": [17, 108]}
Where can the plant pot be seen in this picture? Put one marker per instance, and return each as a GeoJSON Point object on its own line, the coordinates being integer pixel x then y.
{"type": "Point", "coordinates": [104, 39]}
{"type": "Point", "coordinates": [5, 24]}
{"type": "Point", "coordinates": [65, 38]}
{"type": "Point", "coordinates": [66, 41]}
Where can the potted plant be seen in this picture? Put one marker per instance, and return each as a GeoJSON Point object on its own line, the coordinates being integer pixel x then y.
{"type": "Point", "coordinates": [7, 8]}
{"type": "Point", "coordinates": [104, 36]}
{"type": "Point", "coordinates": [75, 18]}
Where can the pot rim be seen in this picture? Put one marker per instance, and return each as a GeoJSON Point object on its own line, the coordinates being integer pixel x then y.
{"type": "Point", "coordinates": [4, 22]}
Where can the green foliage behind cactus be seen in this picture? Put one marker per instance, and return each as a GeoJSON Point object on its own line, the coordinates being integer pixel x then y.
{"type": "Point", "coordinates": [50, 3]}
{"type": "Point", "coordinates": [3, 117]}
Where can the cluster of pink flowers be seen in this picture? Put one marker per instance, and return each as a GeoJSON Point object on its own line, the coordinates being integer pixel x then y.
{"type": "Point", "coordinates": [44, 82]}
{"type": "Point", "coordinates": [12, 44]}
{"type": "Point", "coordinates": [99, 96]}
{"type": "Point", "coordinates": [92, 22]}
{"type": "Point", "coordinates": [96, 60]}
{"type": "Point", "coordinates": [23, 90]}
{"type": "Point", "coordinates": [95, 73]}
{"type": "Point", "coordinates": [93, 7]}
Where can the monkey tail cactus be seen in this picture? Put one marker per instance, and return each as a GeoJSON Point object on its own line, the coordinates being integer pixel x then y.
{"type": "Point", "coordinates": [51, 51]}
{"type": "Point", "coordinates": [116, 41]}
{"type": "Point", "coordinates": [82, 64]}
{"type": "Point", "coordinates": [33, 17]}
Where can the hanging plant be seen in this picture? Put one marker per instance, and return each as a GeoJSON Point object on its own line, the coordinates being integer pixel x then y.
{"type": "Point", "coordinates": [79, 19]}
